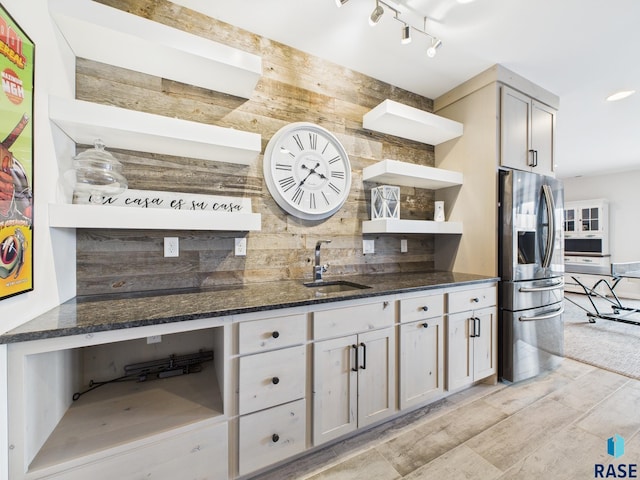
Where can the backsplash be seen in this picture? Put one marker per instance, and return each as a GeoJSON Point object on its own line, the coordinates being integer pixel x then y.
{"type": "Point", "coordinates": [294, 87]}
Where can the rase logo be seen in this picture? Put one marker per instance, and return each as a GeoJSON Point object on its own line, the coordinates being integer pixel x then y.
{"type": "Point", "coordinates": [615, 448]}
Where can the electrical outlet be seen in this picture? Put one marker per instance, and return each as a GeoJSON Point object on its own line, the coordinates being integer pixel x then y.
{"type": "Point", "coordinates": [171, 247]}
{"type": "Point", "coordinates": [368, 246]}
{"type": "Point", "coordinates": [154, 339]}
{"type": "Point", "coordinates": [403, 245]}
{"type": "Point", "coordinates": [241, 247]}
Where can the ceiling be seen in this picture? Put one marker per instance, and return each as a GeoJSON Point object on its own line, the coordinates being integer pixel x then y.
{"type": "Point", "coordinates": [580, 50]}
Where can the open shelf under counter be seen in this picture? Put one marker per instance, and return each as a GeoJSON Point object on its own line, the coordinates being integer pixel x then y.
{"type": "Point", "coordinates": [393, 172]}
{"type": "Point", "coordinates": [97, 216]}
{"type": "Point", "coordinates": [123, 415]}
{"type": "Point", "coordinates": [84, 122]}
{"type": "Point", "coordinates": [108, 35]}
{"type": "Point", "coordinates": [403, 121]}
{"type": "Point", "coordinates": [391, 225]}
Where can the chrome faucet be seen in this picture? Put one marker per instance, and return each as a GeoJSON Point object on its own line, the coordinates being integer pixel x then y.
{"type": "Point", "coordinates": [318, 269]}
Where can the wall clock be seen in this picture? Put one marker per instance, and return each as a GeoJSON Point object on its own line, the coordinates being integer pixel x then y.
{"type": "Point", "coordinates": [307, 171]}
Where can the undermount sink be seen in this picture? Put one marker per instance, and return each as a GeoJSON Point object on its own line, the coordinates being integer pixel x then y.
{"type": "Point", "coordinates": [334, 286]}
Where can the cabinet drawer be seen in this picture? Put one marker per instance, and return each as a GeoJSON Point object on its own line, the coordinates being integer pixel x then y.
{"type": "Point", "coordinates": [201, 452]}
{"type": "Point", "coordinates": [271, 333]}
{"type": "Point", "coordinates": [270, 436]}
{"type": "Point", "coordinates": [417, 308]}
{"type": "Point", "coordinates": [348, 320]}
{"type": "Point", "coordinates": [472, 299]}
{"type": "Point", "coordinates": [271, 378]}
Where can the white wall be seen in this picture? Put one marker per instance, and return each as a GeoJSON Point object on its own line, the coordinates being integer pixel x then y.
{"type": "Point", "coordinates": [54, 251]}
{"type": "Point", "coordinates": [623, 192]}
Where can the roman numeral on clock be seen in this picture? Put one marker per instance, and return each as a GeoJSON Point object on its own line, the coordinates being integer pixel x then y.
{"type": "Point", "coordinates": [334, 159]}
{"type": "Point", "coordinates": [296, 137]}
{"type": "Point", "coordinates": [297, 196]}
{"type": "Point", "coordinates": [312, 200]}
{"type": "Point", "coordinates": [286, 183]}
{"type": "Point", "coordinates": [284, 166]}
{"type": "Point", "coordinates": [313, 140]}
{"type": "Point", "coordinates": [334, 188]}
{"type": "Point", "coordinates": [336, 174]}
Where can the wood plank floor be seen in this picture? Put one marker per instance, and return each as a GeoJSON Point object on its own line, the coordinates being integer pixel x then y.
{"type": "Point", "coordinates": [555, 426]}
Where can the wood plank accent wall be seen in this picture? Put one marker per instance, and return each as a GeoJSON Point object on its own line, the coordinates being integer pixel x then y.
{"type": "Point", "coordinates": [294, 87]}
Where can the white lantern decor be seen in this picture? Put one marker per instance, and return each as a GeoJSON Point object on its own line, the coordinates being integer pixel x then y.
{"type": "Point", "coordinates": [385, 202]}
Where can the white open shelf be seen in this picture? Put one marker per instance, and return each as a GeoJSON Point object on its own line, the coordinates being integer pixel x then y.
{"type": "Point", "coordinates": [108, 35]}
{"type": "Point", "coordinates": [394, 118]}
{"type": "Point", "coordinates": [84, 122]}
{"type": "Point", "coordinates": [393, 172]}
{"type": "Point", "coordinates": [97, 216]}
{"type": "Point", "coordinates": [391, 225]}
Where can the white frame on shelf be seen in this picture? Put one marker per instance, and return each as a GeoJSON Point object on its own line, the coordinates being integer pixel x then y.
{"type": "Point", "coordinates": [393, 172]}
{"type": "Point", "coordinates": [388, 225]}
{"type": "Point", "coordinates": [84, 122]}
{"type": "Point", "coordinates": [108, 35]}
{"type": "Point", "coordinates": [403, 121]}
{"type": "Point", "coordinates": [97, 216]}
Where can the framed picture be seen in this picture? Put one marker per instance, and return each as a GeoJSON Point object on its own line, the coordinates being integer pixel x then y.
{"type": "Point", "coordinates": [16, 158]}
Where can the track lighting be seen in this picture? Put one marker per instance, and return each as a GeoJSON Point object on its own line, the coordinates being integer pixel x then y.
{"type": "Point", "coordinates": [375, 16]}
{"type": "Point", "coordinates": [406, 34]}
{"type": "Point", "coordinates": [433, 49]}
{"type": "Point", "coordinates": [405, 38]}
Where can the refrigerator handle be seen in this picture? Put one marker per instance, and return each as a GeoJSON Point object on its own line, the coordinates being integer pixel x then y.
{"type": "Point", "coordinates": [555, 286]}
{"type": "Point", "coordinates": [551, 212]}
{"type": "Point", "coordinates": [546, 316]}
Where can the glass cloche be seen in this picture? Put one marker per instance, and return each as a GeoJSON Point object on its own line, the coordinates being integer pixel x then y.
{"type": "Point", "coordinates": [97, 173]}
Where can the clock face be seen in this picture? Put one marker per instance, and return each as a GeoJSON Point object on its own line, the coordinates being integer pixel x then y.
{"type": "Point", "coordinates": [307, 171]}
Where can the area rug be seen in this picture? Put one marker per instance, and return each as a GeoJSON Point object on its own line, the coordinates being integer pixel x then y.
{"type": "Point", "coordinates": [606, 344]}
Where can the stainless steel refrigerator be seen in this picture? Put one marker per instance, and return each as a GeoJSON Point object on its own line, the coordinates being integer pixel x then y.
{"type": "Point", "coordinates": [531, 269]}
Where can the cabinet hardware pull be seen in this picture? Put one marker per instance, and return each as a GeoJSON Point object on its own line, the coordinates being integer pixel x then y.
{"type": "Point", "coordinates": [275, 437]}
{"type": "Point", "coordinates": [385, 305]}
{"type": "Point", "coordinates": [476, 319]}
{"type": "Point", "coordinates": [473, 334]}
{"type": "Point", "coordinates": [275, 334]}
{"type": "Point", "coordinates": [364, 356]}
{"type": "Point", "coordinates": [425, 308]}
{"type": "Point", "coordinates": [475, 300]}
{"type": "Point", "coordinates": [275, 380]}
{"type": "Point", "coordinates": [425, 325]}
{"type": "Point", "coordinates": [355, 347]}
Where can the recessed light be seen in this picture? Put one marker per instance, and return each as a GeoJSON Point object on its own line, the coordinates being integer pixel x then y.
{"type": "Point", "coordinates": [620, 95]}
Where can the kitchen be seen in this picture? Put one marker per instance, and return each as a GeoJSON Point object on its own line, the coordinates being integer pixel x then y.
{"type": "Point", "coordinates": [130, 261]}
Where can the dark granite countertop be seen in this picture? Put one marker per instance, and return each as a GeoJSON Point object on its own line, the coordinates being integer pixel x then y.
{"type": "Point", "coordinates": [82, 315]}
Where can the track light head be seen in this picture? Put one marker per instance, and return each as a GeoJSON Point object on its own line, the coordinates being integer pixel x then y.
{"type": "Point", "coordinates": [375, 16]}
{"type": "Point", "coordinates": [433, 49]}
{"type": "Point", "coordinates": [339, 3]}
{"type": "Point", "coordinates": [406, 34]}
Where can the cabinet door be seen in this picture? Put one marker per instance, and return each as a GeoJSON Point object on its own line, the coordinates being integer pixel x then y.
{"type": "Point", "coordinates": [376, 376]}
{"type": "Point", "coordinates": [543, 127]}
{"type": "Point", "coordinates": [484, 343]}
{"type": "Point", "coordinates": [459, 350]}
{"type": "Point", "coordinates": [334, 388]}
{"type": "Point", "coordinates": [570, 220]}
{"type": "Point", "coordinates": [590, 219]}
{"type": "Point", "coordinates": [515, 129]}
{"type": "Point", "coordinates": [421, 361]}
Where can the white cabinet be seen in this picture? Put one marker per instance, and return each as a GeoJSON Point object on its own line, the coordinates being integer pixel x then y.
{"type": "Point", "coordinates": [586, 217]}
{"type": "Point", "coordinates": [271, 390]}
{"type": "Point", "coordinates": [527, 133]}
{"type": "Point", "coordinates": [421, 349]}
{"type": "Point", "coordinates": [354, 375]}
{"type": "Point", "coordinates": [471, 336]}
